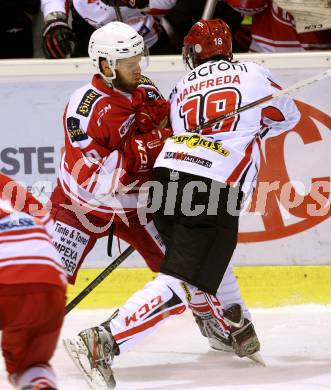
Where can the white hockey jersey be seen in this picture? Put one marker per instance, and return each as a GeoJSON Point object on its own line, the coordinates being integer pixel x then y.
{"type": "Point", "coordinates": [48, 6]}
{"type": "Point", "coordinates": [98, 14]}
{"type": "Point", "coordinates": [227, 152]}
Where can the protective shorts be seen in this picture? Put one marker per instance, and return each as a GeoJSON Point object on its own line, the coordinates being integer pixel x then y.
{"type": "Point", "coordinates": [31, 316]}
{"type": "Point", "coordinates": [198, 221]}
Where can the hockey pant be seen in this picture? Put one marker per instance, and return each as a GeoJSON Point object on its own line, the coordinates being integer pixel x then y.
{"type": "Point", "coordinates": [30, 331]}
{"type": "Point", "coordinates": [199, 246]}
{"type": "Point", "coordinates": [74, 240]}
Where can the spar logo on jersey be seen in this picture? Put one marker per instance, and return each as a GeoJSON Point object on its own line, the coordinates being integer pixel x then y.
{"type": "Point", "coordinates": [293, 189]}
{"type": "Point", "coordinates": [85, 105]}
{"type": "Point", "coordinates": [76, 134]}
{"type": "Point", "coordinates": [195, 140]}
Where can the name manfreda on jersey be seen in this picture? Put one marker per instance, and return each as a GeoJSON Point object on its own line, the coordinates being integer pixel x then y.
{"type": "Point", "coordinates": [212, 82]}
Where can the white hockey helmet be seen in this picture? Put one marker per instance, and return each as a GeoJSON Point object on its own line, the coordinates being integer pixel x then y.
{"type": "Point", "coordinates": [114, 41]}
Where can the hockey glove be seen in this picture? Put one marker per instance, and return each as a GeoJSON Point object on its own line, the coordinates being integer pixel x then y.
{"type": "Point", "coordinates": [152, 114]}
{"type": "Point", "coordinates": [58, 39]}
{"type": "Point", "coordinates": [142, 150]}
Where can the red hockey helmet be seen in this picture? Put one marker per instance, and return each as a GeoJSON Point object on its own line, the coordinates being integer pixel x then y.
{"type": "Point", "coordinates": [207, 39]}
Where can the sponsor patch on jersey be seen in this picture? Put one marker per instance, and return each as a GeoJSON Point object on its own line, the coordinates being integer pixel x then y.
{"type": "Point", "coordinates": [70, 243]}
{"type": "Point", "coordinates": [195, 140]}
{"type": "Point", "coordinates": [76, 134]}
{"type": "Point", "coordinates": [13, 222]}
{"type": "Point", "coordinates": [126, 125]}
{"type": "Point", "coordinates": [87, 101]}
{"type": "Point", "coordinates": [188, 158]}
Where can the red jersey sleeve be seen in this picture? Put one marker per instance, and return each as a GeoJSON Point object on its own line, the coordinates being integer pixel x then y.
{"type": "Point", "coordinates": [19, 198]}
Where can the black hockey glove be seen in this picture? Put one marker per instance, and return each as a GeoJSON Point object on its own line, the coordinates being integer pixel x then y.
{"type": "Point", "coordinates": [58, 39]}
{"type": "Point", "coordinates": [127, 3]}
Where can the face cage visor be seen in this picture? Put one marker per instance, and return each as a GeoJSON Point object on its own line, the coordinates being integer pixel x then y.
{"type": "Point", "coordinates": [143, 63]}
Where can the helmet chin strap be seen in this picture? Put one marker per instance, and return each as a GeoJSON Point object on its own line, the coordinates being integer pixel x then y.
{"type": "Point", "coordinates": [108, 79]}
{"type": "Point", "coordinates": [188, 63]}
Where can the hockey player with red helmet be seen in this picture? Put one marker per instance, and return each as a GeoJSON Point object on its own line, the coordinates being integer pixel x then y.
{"type": "Point", "coordinates": [215, 166]}
{"type": "Point", "coordinates": [32, 288]}
{"type": "Point", "coordinates": [162, 297]}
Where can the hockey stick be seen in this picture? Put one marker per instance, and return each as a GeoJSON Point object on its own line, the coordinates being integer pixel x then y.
{"type": "Point", "coordinates": [118, 12]}
{"type": "Point", "coordinates": [294, 87]}
{"type": "Point", "coordinates": [209, 9]}
{"type": "Point", "coordinates": [107, 271]}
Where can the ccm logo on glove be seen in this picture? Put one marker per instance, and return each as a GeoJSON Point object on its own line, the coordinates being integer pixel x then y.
{"type": "Point", "coordinates": [142, 154]}
{"type": "Point", "coordinates": [142, 150]}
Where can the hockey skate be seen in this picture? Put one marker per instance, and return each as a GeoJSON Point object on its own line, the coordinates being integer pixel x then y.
{"type": "Point", "coordinates": [210, 328]}
{"type": "Point", "coordinates": [93, 351]}
{"type": "Point", "coordinates": [244, 339]}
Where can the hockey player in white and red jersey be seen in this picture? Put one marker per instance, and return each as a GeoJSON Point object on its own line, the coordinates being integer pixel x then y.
{"type": "Point", "coordinates": [273, 29]}
{"type": "Point", "coordinates": [107, 158]}
{"type": "Point", "coordinates": [32, 289]}
{"type": "Point", "coordinates": [143, 15]}
{"type": "Point", "coordinates": [208, 170]}
{"type": "Point", "coordinates": [114, 130]}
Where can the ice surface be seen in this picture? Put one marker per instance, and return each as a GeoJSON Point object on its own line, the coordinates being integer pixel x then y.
{"type": "Point", "coordinates": [296, 347]}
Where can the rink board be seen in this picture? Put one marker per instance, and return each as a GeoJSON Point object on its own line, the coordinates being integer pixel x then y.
{"type": "Point", "coordinates": [260, 286]}
{"type": "Point", "coordinates": [294, 226]}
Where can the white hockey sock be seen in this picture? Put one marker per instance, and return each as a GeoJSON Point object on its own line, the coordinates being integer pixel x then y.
{"type": "Point", "coordinates": [217, 311]}
{"type": "Point", "coordinates": [202, 303]}
{"type": "Point", "coordinates": [147, 309]}
{"type": "Point", "coordinates": [229, 292]}
{"type": "Point", "coordinates": [41, 375]}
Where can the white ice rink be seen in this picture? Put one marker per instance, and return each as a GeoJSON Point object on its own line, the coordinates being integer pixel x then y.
{"type": "Point", "coordinates": [296, 346]}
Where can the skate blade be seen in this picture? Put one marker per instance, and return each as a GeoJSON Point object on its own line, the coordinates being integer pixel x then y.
{"type": "Point", "coordinates": [257, 358]}
{"type": "Point", "coordinates": [217, 345]}
{"type": "Point", "coordinates": [76, 349]}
